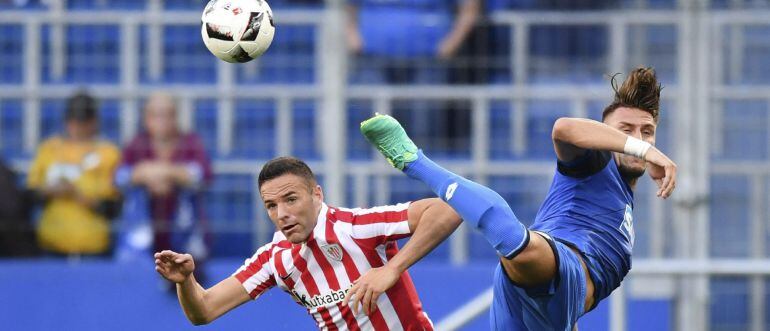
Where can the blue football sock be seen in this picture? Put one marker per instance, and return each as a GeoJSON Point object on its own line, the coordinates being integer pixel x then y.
{"type": "Point", "coordinates": [478, 205]}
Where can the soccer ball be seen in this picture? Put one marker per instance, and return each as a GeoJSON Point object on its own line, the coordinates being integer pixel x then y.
{"type": "Point", "coordinates": [237, 30]}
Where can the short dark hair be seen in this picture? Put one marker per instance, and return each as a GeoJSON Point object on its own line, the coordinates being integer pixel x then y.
{"type": "Point", "coordinates": [286, 165]}
{"type": "Point", "coordinates": [81, 107]}
{"type": "Point", "coordinates": [640, 90]}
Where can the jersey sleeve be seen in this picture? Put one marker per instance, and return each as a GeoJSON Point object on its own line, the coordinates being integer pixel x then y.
{"type": "Point", "coordinates": [256, 275]}
{"type": "Point", "coordinates": [591, 162]}
{"type": "Point", "coordinates": [383, 223]}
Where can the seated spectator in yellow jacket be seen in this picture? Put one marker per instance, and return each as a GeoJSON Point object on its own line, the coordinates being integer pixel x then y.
{"type": "Point", "coordinates": [72, 174]}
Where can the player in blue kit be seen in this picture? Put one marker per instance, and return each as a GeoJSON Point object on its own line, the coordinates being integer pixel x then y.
{"type": "Point", "coordinates": [578, 250]}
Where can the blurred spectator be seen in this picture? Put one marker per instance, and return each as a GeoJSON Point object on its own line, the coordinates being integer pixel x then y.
{"type": "Point", "coordinates": [400, 40]}
{"type": "Point", "coordinates": [23, 3]}
{"type": "Point", "coordinates": [417, 42]}
{"type": "Point", "coordinates": [164, 173]}
{"type": "Point", "coordinates": [17, 236]}
{"type": "Point", "coordinates": [72, 175]}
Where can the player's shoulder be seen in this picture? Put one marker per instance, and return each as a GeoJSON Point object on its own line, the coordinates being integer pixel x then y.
{"type": "Point", "coordinates": [51, 143]}
{"type": "Point", "coordinates": [385, 213]}
{"type": "Point", "coordinates": [106, 146]}
{"type": "Point", "coordinates": [269, 249]}
{"type": "Point", "coordinates": [279, 241]}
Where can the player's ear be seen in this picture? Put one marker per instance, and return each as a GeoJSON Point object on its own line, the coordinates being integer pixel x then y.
{"type": "Point", "coordinates": [318, 193]}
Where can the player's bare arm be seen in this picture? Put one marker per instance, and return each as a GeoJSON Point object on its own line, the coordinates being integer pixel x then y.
{"type": "Point", "coordinates": [572, 136]}
{"type": "Point", "coordinates": [431, 221]}
{"type": "Point", "coordinates": [201, 306]}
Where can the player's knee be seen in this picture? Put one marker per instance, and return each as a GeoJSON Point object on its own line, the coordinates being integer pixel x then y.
{"type": "Point", "coordinates": [535, 264]}
{"type": "Point", "coordinates": [536, 252]}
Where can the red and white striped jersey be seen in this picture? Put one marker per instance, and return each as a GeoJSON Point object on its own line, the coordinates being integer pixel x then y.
{"type": "Point", "coordinates": [345, 243]}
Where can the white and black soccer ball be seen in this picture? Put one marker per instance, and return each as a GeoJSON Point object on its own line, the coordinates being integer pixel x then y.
{"type": "Point", "coordinates": [237, 30]}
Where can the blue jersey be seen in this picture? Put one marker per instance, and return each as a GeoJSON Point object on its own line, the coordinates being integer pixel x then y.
{"type": "Point", "coordinates": [589, 207]}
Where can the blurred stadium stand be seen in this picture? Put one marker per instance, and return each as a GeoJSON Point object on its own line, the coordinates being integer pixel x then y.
{"type": "Point", "coordinates": [543, 59]}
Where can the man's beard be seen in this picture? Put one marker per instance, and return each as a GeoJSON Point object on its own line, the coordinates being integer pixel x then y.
{"type": "Point", "coordinates": [627, 172]}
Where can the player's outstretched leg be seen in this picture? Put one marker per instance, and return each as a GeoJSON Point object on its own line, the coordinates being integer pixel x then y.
{"type": "Point", "coordinates": [479, 206]}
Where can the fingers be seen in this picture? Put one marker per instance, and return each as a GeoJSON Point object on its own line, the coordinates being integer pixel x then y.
{"type": "Point", "coordinates": [373, 301]}
{"type": "Point", "coordinates": [671, 183]}
{"type": "Point", "coordinates": [367, 302]}
{"type": "Point", "coordinates": [161, 267]}
{"type": "Point", "coordinates": [662, 186]}
{"type": "Point", "coordinates": [166, 254]}
{"type": "Point", "coordinates": [355, 297]}
{"type": "Point", "coordinates": [172, 257]}
{"type": "Point", "coordinates": [182, 258]}
{"type": "Point", "coordinates": [351, 295]}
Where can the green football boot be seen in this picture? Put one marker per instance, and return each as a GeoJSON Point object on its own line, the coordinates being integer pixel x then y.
{"type": "Point", "coordinates": [385, 133]}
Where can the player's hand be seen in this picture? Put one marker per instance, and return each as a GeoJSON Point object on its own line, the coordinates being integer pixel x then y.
{"type": "Point", "coordinates": [662, 170]}
{"type": "Point", "coordinates": [448, 47]}
{"type": "Point", "coordinates": [62, 188]}
{"type": "Point", "coordinates": [367, 289]}
{"type": "Point", "coordinates": [174, 266]}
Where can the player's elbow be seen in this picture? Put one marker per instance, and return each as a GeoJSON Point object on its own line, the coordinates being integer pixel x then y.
{"type": "Point", "coordinates": [199, 320]}
{"type": "Point", "coordinates": [442, 216]}
{"type": "Point", "coordinates": [450, 218]}
{"type": "Point", "coordinates": [562, 129]}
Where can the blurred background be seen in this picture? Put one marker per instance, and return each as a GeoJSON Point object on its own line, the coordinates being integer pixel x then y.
{"type": "Point", "coordinates": [120, 135]}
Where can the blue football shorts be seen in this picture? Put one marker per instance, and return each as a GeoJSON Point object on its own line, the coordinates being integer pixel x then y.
{"type": "Point", "coordinates": [553, 306]}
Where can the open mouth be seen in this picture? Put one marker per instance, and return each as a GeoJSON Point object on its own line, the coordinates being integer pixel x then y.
{"type": "Point", "coordinates": [288, 228]}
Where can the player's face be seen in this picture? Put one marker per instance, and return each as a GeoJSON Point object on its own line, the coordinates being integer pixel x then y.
{"type": "Point", "coordinates": [638, 124]}
{"type": "Point", "coordinates": [81, 130]}
{"type": "Point", "coordinates": [293, 205]}
{"type": "Point", "coordinates": [160, 117]}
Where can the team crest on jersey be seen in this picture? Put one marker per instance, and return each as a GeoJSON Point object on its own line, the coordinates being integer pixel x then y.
{"type": "Point", "coordinates": [332, 251]}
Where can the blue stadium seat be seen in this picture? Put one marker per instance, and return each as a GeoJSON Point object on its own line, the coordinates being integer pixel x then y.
{"type": "Point", "coordinates": [254, 129]}
{"type": "Point", "coordinates": [11, 54]}
{"type": "Point", "coordinates": [746, 135]}
{"type": "Point", "coordinates": [205, 124]}
{"type": "Point", "coordinates": [729, 214]}
{"type": "Point", "coordinates": [230, 210]}
{"type": "Point", "coordinates": [500, 130]}
{"type": "Point", "coordinates": [106, 4]}
{"type": "Point", "coordinates": [500, 5]}
{"type": "Point", "coordinates": [541, 115]}
{"type": "Point", "coordinates": [756, 63]}
{"type": "Point", "coordinates": [500, 50]}
{"type": "Point", "coordinates": [12, 128]}
{"type": "Point", "coordinates": [109, 118]}
{"type": "Point", "coordinates": [22, 5]}
{"type": "Point", "coordinates": [574, 54]}
{"type": "Point", "coordinates": [305, 138]}
{"type": "Point", "coordinates": [51, 118]}
{"type": "Point", "coordinates": [185, 58]}
{"type": "Point", "coordinates": [184, 4]}
{"type": "Point", "coordinates": [730, 292]}
{"type": "Point", "coordinates": [439, 133]}
{"type": "Point", "coordinates": [92, 55]}
{"type": "Point", "coordinates": [290, 59]}
{"type": "Point", "coordinates": [357, 112]}
{"type": "Point", "coordinates": [661, 51]}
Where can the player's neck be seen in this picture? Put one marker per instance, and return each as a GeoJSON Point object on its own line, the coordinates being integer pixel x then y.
{"type": "Point", "coordinates": [631, 182]}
